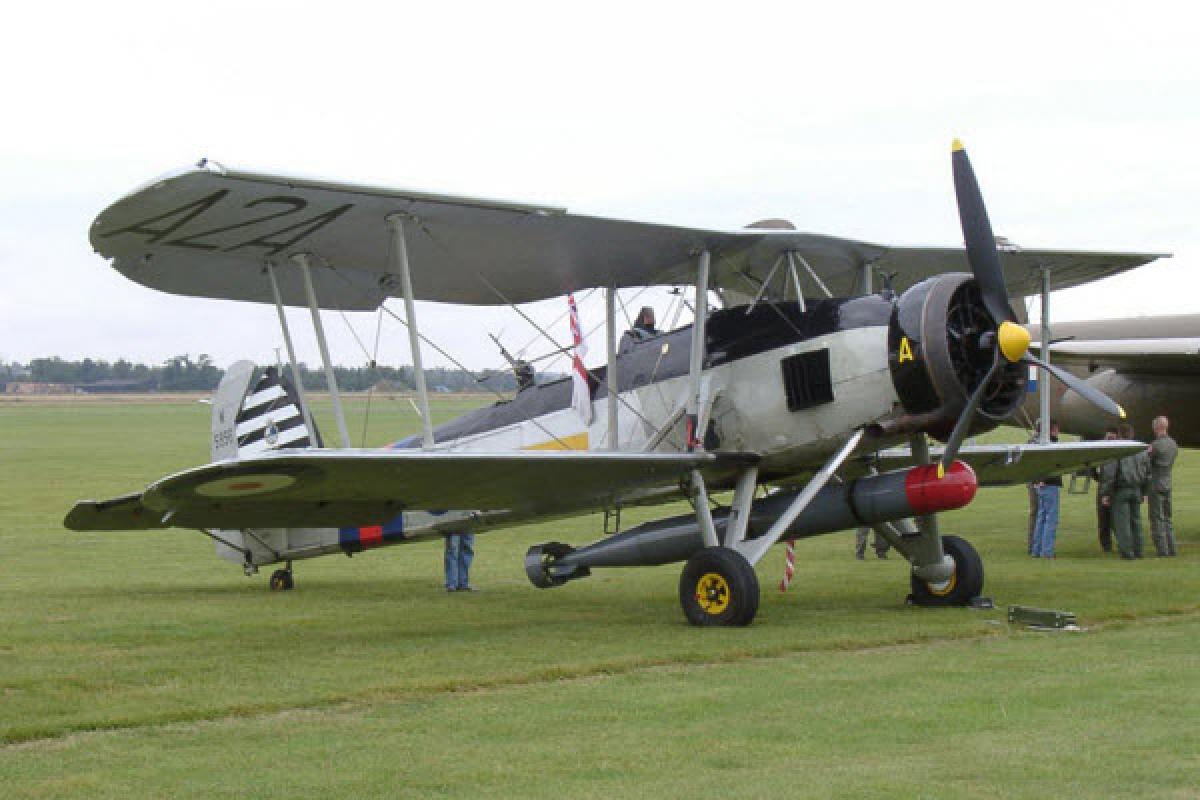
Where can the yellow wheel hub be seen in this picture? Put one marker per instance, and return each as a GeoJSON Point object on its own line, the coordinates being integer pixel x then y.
{"type": "Point", "coordinates": [712, 593]}
{"type": "Point", "coordinates": [945, 587]}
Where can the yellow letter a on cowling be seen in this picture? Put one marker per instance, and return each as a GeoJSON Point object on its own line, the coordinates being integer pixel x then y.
{"type": "Point", "coordinates": [906, 353]}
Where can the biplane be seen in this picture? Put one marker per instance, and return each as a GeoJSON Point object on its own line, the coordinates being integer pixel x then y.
{"type": "Point", "coordinates": [789, 396]}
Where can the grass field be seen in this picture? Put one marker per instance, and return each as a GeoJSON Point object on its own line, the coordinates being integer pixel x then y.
{"type": "Point", "coordinates": [139, 665]}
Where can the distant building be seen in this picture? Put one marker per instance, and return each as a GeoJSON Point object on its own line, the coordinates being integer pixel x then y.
{"type": "Point", "coordinates": [37, 387]}
{"type": "Point", "coordinates": [118, 386]}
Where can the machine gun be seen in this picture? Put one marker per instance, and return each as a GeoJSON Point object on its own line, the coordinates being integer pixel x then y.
{"type": "Point", "coordinates": [522, 369]}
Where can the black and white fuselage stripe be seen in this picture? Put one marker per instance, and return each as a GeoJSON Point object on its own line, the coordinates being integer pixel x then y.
{"type": "Point", "coordinates": [270, 418]}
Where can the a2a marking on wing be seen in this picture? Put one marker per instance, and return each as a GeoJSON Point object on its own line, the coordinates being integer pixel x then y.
{"type": "Point", "coordinates": [160, 226]}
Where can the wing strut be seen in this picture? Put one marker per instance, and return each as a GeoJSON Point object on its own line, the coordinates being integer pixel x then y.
{"type": "Point", "coordinates": [287, 340]}
{"type": "Point", "coordinates": [1044, 378]}
{"type": "Point", "coordinates": [302, 261]}
{"type": "Point", "coordinates": [812, 273]}
{"type": "Point", "coordinates": [695, 437]}
{"type": "Point", "coordinates": [791, 262]}
{"type": "Point", "coordinates": [398, 262]}
{"type": "Point", "coordinates": [610, 374]}
{"type": "Point", "coordinates": [755, 549]}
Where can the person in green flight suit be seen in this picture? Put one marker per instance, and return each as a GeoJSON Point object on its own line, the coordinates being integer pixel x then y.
{"type": "Point", "coordinates": [1123, 485]}
{"type": "Point", "coordinates": [1103, 512]}
{"type": "Point", "coordinates": [1163, 451]}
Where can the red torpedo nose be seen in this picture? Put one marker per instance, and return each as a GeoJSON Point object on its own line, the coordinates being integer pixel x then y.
{"type": "Point", "coordinates": [928, 494]}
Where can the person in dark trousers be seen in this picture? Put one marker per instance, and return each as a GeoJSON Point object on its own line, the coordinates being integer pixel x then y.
{"type": "Point", "coordinates": [1033, 497]}
{"type": "Point", "coordinates": [460, 552]}
{"type": "Point", "coordinates": [1103, 512]}
{"type": "Point", "coordinates": [1045, 530]}
{"type": "Point", "coordinates": [1124, 484]}
{"type": "Point", "coordinates": [1162, 454]}
{"type": "Point", "coordinates": [881, 545]}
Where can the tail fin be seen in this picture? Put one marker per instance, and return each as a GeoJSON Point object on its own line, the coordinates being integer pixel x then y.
{"type": "Point", "coordinates": [254, 412]}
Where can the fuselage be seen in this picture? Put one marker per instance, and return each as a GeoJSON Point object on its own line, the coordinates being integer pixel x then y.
{"type": "Point", "coordinates": [786, 383]}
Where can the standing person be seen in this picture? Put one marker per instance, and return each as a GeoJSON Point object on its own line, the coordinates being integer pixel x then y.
{"type": "Point", "coordinates": [860, 544]}
{"type": "Point", "coordinates": [1033, 496]}
{"type": "Point", "coordinates": [460, 552]}
{"type": "Point", "coordinates": [1046, 528]}
{"type": "Point", "coordinates": [1123, 484]}
{"type": "Point", "coordinates": [1163, 451]}
{"type": "Point", "coordinates": [1103, 512]}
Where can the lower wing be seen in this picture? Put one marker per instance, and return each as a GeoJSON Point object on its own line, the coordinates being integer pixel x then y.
{"type": "Point", "coordinates": [366, 487]}
{"type": "Point", "coordinates": [1008, 464]}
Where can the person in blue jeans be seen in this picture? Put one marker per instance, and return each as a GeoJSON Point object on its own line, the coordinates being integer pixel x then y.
{"type": "Point", "coordinates": [460, 551]}
{"type": "Point", "coordinates": [1045, 530]}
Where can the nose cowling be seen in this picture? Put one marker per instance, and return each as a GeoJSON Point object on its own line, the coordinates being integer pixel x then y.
{"type": "Point", "coordinates": [941, 345]}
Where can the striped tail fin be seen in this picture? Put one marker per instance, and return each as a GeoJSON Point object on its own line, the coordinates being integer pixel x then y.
{"type": "Point", "coordinates": [271, 417]}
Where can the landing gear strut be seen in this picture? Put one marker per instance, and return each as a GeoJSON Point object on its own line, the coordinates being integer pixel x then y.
{"type": "Point", "coordinates": [961, 587]}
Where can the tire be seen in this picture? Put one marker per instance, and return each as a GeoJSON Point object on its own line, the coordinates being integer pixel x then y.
{"type": "Point", "coordinates": [963, 586]}
{"type": "Point", "coordinates": [718, 587]}
{"type": "Point", "coordinates": [281, 580]}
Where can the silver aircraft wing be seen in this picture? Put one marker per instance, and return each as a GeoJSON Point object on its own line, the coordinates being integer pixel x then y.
{"type": "Point", "coordinates": [209, 231]}
{"type": "Point", "coordinates": [1009, 464]}
{"type": "Point", "coordinates": [1167, 355]}
{"type": "Point", "coordinates": [366, 487]}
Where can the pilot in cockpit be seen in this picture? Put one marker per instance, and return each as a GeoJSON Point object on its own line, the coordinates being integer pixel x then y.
{"type": "Point", "coordinates": [643, 329]}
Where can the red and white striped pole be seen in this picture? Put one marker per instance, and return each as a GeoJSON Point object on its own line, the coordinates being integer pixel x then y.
{"type": "Point", "coordinates": [790, 569]}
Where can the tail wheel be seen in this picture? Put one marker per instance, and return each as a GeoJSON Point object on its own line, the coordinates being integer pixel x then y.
{"type": "Point", "coordinates": [718, 587]}
{"type": "Point", "coordinates": [281, 580]}
{"type": "Point", "coordinates": [959, 589]}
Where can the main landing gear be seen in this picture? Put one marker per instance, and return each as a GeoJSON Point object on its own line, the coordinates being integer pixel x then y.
{"type": "Point", "coordinates": [719, 587]}
{"type": "Point", "coordinates": [963, 585]}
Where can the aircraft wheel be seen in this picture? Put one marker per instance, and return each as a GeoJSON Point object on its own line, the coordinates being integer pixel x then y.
{"type": "Point", "coordinates": [718, 587]}
{"type": "Point", "coordinates": [960, 588]}
{"type": "Point", "coordinates": [281, 580]}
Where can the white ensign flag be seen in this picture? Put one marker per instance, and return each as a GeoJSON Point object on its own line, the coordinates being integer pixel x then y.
{"type": "Point", "coordinates": [581, 396]}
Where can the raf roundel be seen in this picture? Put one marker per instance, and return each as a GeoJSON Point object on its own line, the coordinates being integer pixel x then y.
{"type": "Point", "coordinates": [244, 485]}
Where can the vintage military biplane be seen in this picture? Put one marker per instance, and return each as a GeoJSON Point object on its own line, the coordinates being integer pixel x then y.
{"type": "Point", "coordinates": [792, 388]}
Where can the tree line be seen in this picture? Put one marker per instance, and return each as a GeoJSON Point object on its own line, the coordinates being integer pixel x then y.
{"type": "Point", "coordinates": [184, 373]}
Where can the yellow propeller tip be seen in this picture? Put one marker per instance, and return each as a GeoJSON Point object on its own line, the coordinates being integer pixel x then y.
{"type": "Point", "coordinates": [941, 470]}
{"type": "Point", "coordinates": [954, 148]}
{"type": "Point", "coordinates": [1120, 412]}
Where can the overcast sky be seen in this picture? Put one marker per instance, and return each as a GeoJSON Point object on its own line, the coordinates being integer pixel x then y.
{"type": "Point", "coordinates": [1081, 119]}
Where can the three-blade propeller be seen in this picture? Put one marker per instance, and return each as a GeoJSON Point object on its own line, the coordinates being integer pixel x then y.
{"type": "Point", "coordinates": [1010, 340]}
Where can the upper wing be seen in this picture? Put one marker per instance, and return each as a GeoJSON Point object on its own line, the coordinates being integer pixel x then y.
{"type": "Point", "coordinates": [364, 487]}
{"type": "Point", "coordinates": [1004, 465]}
{"type": "Point", "coordinates": [208, 231]}
{"type": "Point", "coordinates": [1176, 355]}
